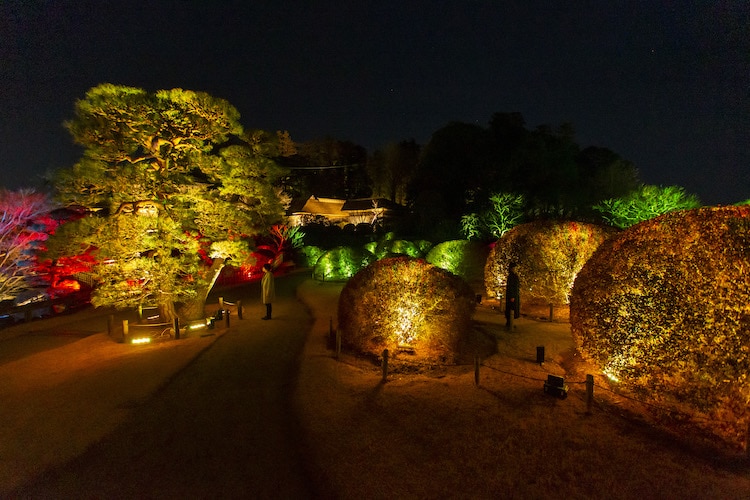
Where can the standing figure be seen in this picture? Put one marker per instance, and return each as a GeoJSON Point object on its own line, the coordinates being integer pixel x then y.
{"type": "Point", "coordinates": [267, 289]}
{"type": "Point", "coordinates": [512, 294]}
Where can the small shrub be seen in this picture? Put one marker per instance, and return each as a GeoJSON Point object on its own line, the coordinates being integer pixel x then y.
{"type": "Point", "coordinates": [402, 301]}
{"type": "Point", "coordinates": [309, 255]}
{"type": "Point", "coordinates": [549, 255]}
{"type": "Point", "coordinates": [664, 307]}
{"type": "Point", "coordinates": [461, 257]}
{"type": "Point", "coordinates": [340, 264]}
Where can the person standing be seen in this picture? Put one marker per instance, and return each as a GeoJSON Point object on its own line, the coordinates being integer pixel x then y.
{"type": "Point", "coordinates": [267, 289]}
{"type": "Point", "coordinates": [512, 294]}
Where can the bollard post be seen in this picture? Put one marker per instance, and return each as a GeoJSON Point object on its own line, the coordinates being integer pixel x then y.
{"type": "Point", "coordinates": [551, 312]}
{"type": "Point", "coordinates": [511, 321]}
{"type": "Point", "coordinates": [338, 343]}
{"type": "Point", "coordinates": [239, 309]}
{"type": "Point", "coordinates": [140, 313]}
{"type": "Point", "coordinates": [540, 354]}
{"type": "Point", "coordinates": [177, 328]}
{"type": "Point", "coordinates": [221, 302]}
{"type": "Point", "coordinates": [476, 370]}
{"type": "Point", "coordinates": [385, 364]}
{"type": "Point", "coordinates": [226, 316]}
{"type": "Point", "coordinates": [125, 331]}
{"type": "Point", "coordinates": [110, 325]}
{"type": "Point", "coordinates": [589, 392]}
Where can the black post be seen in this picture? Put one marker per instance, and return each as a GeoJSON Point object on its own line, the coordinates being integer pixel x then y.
{"type": "Point", "coordinates": [589, 392]}
{"type": "Point", "coordinates": [177, 328]}
{"type": "Point", "coordinates": [540, 354]}
{"type": "Point", "coordinates": [476, 370]}
{"type": "Point", "coordinates": [385, 364]}
{"type": "Point", "coordinates": [226, 312]}
{"type": "Point", "coordinates": [239, 309]}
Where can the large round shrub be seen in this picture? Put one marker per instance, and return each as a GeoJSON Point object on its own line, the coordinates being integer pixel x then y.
{"type": "Point", "coordinates": [549, 255]}
{"type": "Point", "coordinates": [664, 307]}
{"type": "Point", "coordinates": [341, 263]}
{"type": "Point", "coordinates": [400, 301]}
{"type": "Point", "coordinates": [461, 257]}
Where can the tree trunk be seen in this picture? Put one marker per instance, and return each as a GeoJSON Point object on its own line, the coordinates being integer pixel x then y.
{"type": "Point", "coordinates": [195, 309]}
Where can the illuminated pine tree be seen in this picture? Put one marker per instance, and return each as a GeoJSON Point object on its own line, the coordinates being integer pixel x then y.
{"type": "Point", "coordinates": [175, 189]}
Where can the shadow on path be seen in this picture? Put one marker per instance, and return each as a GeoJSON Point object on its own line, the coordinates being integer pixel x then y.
{"type": "Point", "coordinates": [222, 428]}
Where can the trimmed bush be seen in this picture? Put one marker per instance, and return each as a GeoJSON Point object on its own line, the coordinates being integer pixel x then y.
{"type": "Point", "coordinates": [664, 307]}
{"type": "Point", "coordinates": [308, 255]}
{"type": "Point", "coordinates": [461, 257]}
{"type": "Point", "coordinates": [400, 301]}
{"type": "Point", "coordinates": [549, 255]}
{"type": "Point", "coordinates": [341, 263]}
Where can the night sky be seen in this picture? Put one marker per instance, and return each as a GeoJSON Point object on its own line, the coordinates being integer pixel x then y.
{"type": "Point", "coordinates": [665, 84]}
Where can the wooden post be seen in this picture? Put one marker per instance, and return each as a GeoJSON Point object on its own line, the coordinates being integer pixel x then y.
{"type": "Point", "coordinates": [476, 370]}
{"type": "Point", "coordinates": [511, 320]}
{"type": "Point", "coordinates": [385, 364]}
{"type": "Point", "coordinates": [140, 313]}
{"type": "Point", "coordinates": [239, 309]}
{"type": "Point", "coordinates": [221, 302]}
{"type": "Point", "coordinates": [338, 343]}
{"type": "Point", "coordinates": [330, 327]}
{"type": "Point", "coordinates": [125, 331]}
{"type": "Point", "coordinates": [551, 311]}
{"type": "Point", "coordinates": [110, 325]}
{"type": "Point", "coordinates": [177, 328]}
{"type": "Point", "coordinates": [589, 392]}
{"type": "Point", "coordinates": [540, 354]}
{"type": "Point", "coordinates": [226, 316]}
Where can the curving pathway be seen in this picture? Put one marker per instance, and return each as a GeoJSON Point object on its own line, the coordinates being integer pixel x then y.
{"type": "Point", "coordinates": [221, 428]}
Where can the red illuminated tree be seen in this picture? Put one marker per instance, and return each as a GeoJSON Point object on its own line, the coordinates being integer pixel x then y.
{"type": "Point", "coordinates": [22, 228]}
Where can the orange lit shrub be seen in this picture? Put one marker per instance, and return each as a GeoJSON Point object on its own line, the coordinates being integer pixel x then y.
{"type": "Point", "coordinates": [401, 301]}
{"type": "Point", "coordinates": [664, 307]}
{"type": "Point", "coordinates": [549, 255]}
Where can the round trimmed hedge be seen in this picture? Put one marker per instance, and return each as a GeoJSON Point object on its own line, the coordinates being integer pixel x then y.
{"type": "Point", "coordinates": [549, 255]}
{"type": "Point", "coordinates": [664, 307]}
{"type": "Point", "coordinates": [461, 257]}
{"type": "Point", "coordinates": [400, 301]}
{"type": "Point", "coordinates": [341, 263]}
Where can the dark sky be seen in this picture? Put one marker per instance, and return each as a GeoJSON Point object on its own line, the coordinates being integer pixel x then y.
{"type": "Point", "coordinates": [665, 84]}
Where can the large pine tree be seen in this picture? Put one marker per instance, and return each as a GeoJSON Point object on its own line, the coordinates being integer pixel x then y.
{"type": "Point", "coordinates": [176, 189]}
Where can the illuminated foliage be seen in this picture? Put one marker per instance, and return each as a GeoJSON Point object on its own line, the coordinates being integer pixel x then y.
{"type": "Point", "coordinates": [402, 301]}
{"type": "Point", "coordinates": [341, 263]}
{"type": "Point", "coordinates": [309, 255]}
{"type": "Point", "coordinates": [505, 213]}
{"type": "Point", "coordinates": [461, 257]}
{"type": "Point", "coordinates": [178, 189]}
{"type": "Point", "coordinates": [23, 222]}
{"type": "Point", "coordinates": [549, 255]}
{"type": "Point", "coordinates": [645, 203]}
{"type": "Point", "coordinates": [664, 307]}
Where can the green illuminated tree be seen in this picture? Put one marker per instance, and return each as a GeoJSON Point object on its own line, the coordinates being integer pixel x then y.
{"type": "Point", "coordinates": [506, 212]}
{"type": "Point", "coordinates": [645, 203]}
{"type": "Point", "coordinates": [175, 188]}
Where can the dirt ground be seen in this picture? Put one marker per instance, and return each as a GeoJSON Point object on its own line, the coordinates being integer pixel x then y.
{"type": "Point", "coordinates": [440, 435]}
{"type": "Point", "coordinates": [433, 434]}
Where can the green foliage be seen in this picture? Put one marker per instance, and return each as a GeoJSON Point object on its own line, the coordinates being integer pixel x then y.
{"type": "Point", "coordinates": [310, 255]}
{"type": "Point", "coordinates": [340, 264]}
{"type": "Point", "coordinates": [461, 257]}
{"type": "Point", "coordinates": [175, 199]}
{"type": "Point", "coordinates": [664, 307]}
{"type": "Point", "coordinates": [505, 213]}
{"type": "Point", "coordinates": [404, 301]}
{"type": "Point", "coordinates": [549, 255]}
{"type": "Point", "coordinates": [645, 203]}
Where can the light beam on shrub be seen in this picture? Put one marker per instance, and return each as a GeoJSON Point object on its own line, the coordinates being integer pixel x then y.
{"type": "Point", "coordinates": [550, 255]}
{"type": "Point", "coordinates": [665, 308]}
{"type": "Point", "coordinates": [401, 301]}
